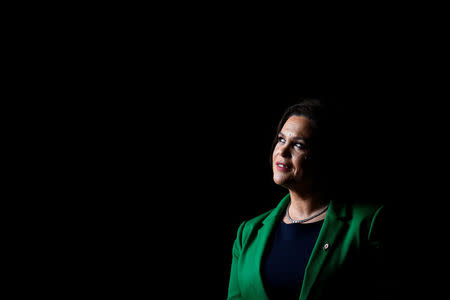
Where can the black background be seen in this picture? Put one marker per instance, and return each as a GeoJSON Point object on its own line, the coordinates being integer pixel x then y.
{"type": "Point", "coordinates": [197, 164]}
{"type": "Point", "coordinates": [163, 162]}
{"type": "Point", "coordinates": [147, 140]}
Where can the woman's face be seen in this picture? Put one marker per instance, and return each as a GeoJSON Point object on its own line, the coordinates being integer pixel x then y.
{"type": "Point", "coordinates": [290, 166]}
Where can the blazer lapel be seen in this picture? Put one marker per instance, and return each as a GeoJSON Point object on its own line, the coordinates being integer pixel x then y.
{"type": "Point", "coordinates": [262, 239]}
{"type": "Point", "coordinates": [327, 239]}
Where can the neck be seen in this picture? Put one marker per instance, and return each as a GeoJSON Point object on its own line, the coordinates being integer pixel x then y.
{"type": "Point", "coordinates": [305, 204]}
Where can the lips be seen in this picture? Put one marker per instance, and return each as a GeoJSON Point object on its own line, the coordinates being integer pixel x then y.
{"type": "Point", "coordinates": [282, 166]}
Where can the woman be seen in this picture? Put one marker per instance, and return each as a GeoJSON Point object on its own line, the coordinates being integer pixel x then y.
{"type": "Point", "coordinates": [311, 246]}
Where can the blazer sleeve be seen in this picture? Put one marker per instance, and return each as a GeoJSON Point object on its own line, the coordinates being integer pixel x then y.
{"type": "Point", "coordinates": [234, 291]}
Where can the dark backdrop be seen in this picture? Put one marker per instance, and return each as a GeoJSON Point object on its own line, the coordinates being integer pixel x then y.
{"type": "Point", "coordinates": [215, 157]}
{"type": "Point", "coordinates": [157, 146]}
{"type": "Point", "coordinates": [231, 174]}
{"type": "Point", "coordinates": [174, 176]}
{"type": "Point", "coordinates": [226, 178]}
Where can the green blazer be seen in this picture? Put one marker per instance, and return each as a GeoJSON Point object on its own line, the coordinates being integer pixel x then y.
{"type": "Point", "coordinates": [346, 261]}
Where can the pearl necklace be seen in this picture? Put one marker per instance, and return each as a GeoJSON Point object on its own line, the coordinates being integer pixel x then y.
{"type": "Point", "coordinates": [306, 219]}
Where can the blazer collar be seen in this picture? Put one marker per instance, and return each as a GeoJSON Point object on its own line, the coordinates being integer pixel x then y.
{"type": "Point", "coordinates": [334, 221]}
{"type": "Point", "coordinates": [278, 211]}
{"type": "Point", "coordinates": [334, 224]}
{"type": "Point", "coordinates": [262, 238]}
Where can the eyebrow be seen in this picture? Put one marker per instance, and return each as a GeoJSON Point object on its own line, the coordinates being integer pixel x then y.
{"type": "Point", "coordinates": [295, 137]}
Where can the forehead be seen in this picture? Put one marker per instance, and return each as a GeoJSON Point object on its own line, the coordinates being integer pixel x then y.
{"type": "Point", "coordinates": [297, 126]}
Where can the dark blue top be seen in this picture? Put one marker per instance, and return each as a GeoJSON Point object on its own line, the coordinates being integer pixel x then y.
{"type": "Point", "coordinates": [287, 257]}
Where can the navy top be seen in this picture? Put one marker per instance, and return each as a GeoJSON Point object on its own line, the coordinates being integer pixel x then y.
{"type": "Point", "coordinates": [286, 259]}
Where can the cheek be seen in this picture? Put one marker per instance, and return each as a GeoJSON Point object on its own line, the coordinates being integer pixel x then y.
{"type": "Point", "coordinates": [275, 151]}
{"type": "Point", "coordinates": [299, 163]}
{"type": "Point", "coordinates": [274, 155]}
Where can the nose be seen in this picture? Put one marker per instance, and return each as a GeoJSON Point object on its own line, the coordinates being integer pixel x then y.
{"type": "Point", "coordinates": [284, 151]}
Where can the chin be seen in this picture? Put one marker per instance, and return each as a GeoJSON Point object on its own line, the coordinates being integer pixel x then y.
{"type": "Point", "coordinates": [280, 179]}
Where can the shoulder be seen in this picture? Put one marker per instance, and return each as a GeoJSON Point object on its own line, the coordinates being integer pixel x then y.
{"type": "Point", "coordinates": [355, 209]}
{"type": "Point", "coordinates": [368, 217]}
{"type": "Point", "coordinates": [254, 223]}
{"type": "Point", "coordinates": [249, 227]}
{"type": "Point", "coordinates": [365, 210]}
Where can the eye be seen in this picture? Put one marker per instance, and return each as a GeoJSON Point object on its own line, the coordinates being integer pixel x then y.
{"type": "Point", "coordinates": [281, 140]}
{"type": "Point", "coordinates": [300, 146]}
